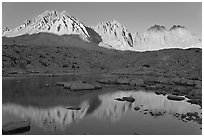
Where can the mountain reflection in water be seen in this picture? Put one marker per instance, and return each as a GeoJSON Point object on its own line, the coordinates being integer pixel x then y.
{"type": "Point", "coordinates": [102, 107]}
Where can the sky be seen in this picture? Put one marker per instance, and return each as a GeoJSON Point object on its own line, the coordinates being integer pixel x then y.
{"type": "Point", "coordinates": [135, 16]}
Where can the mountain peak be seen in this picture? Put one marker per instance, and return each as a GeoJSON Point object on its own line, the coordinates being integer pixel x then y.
{"type": "Point", "coordinates": [49, 12]}
{"type": "Point", "coordinates": [112, 24]}
{"type": "Point", "coordinates": [177, 27]}
{"type": "Point", "coordinates": [59, 23]}
{"type": "Point", "coordinates": [113, 21]}
{"type": "Point", "coordinates": [110, 34]}
{"type": "Point", "coordinates": [114, 34]}
{"type": "Point", "coordinates": [157, 28]}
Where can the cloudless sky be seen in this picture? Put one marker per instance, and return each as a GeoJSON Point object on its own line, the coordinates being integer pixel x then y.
{"type": "Point", "coordinates": [136, 16]}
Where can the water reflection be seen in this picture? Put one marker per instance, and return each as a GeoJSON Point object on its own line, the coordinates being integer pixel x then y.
{"type": "Point", "coordinates": [111, 109]}
{"type": "Point", "coordinates": [100, 106]}
{"type": "Point", "coordinates": [51, 119]}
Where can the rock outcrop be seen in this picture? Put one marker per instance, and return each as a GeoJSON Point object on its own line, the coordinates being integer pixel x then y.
{"type": "Point", "coordinates": [5, 30]}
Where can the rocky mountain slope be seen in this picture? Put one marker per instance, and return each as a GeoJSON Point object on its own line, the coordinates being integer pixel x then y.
{"type": "Point", "coordinates": [61, 29]}
{"type": "Point", "coordinates": [114, 35]}
{"type": "Point", "coordinates": [50, 22]}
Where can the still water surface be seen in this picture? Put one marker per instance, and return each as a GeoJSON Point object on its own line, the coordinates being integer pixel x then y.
{"type": "Point", "coordinates": [46, 109]}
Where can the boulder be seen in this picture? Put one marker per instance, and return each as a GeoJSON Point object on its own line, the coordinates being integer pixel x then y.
{"type": "Point", "coordinates": [119, 99]}
{"type": "Point", "coordinates": [129, 99]}
{"type": "Point", "coordinates": [60, 83]}
{"type": "Point", "coordinates": [78, 85]}
{"type": "Point", "coordinates": [195, 114]}
{"type": "Point", "coordinates": [146, 65]}
{"type": "Point", "coordinates": [158, 114]}
{"type": "Point", "coordinates": [145, 109]}
{"type": "Point", "coordinates": [136, 108]}
{"type": "Point", "coordinates": [67, 85]}
{"type": "Point", "coordinates": [174, 97]}
{"type": "Point", "coordinates": [159, 92]}
{"type": "Point", "coordinates": [74, 108]}
{"type": "Point", "coordinates": [96, 85]}
{"type": "Point", "coordinates": [16, 127]}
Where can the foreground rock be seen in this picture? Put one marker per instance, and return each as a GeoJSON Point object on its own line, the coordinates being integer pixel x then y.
{"type": "Point", "coordinates": [67, 85]}
{"type": "Point", "coordinates": [174, 97]}
{"type": "Point", "coordinates": [156, 114]}
{"type": "Point", "coordinates": [129, 99]}
{"type": "Point", "coordinates": [60, 83]}
{"type": "Point", "coordinates": [119, 99]}
{"type": "Point", "coordinates": [74, 108]}
{"type": "Point", "coordinates": [136, 108]}
{"type": "Point", "coordinates": [158, 92]}
{"type": "Point", "coordinates": [96, 85]}
{"type": "Point", "coordinates": [16, 127]}
{"type": "Point", "coordinates": [81, 86]}
{"type": "Point", "coordinates": [195, 114]}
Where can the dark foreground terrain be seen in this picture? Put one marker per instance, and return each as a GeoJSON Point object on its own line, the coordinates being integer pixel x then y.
{"type": "Point", "coordinates": [170, 62]}
{"type": "Point", "coordinates": [175, 74]}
